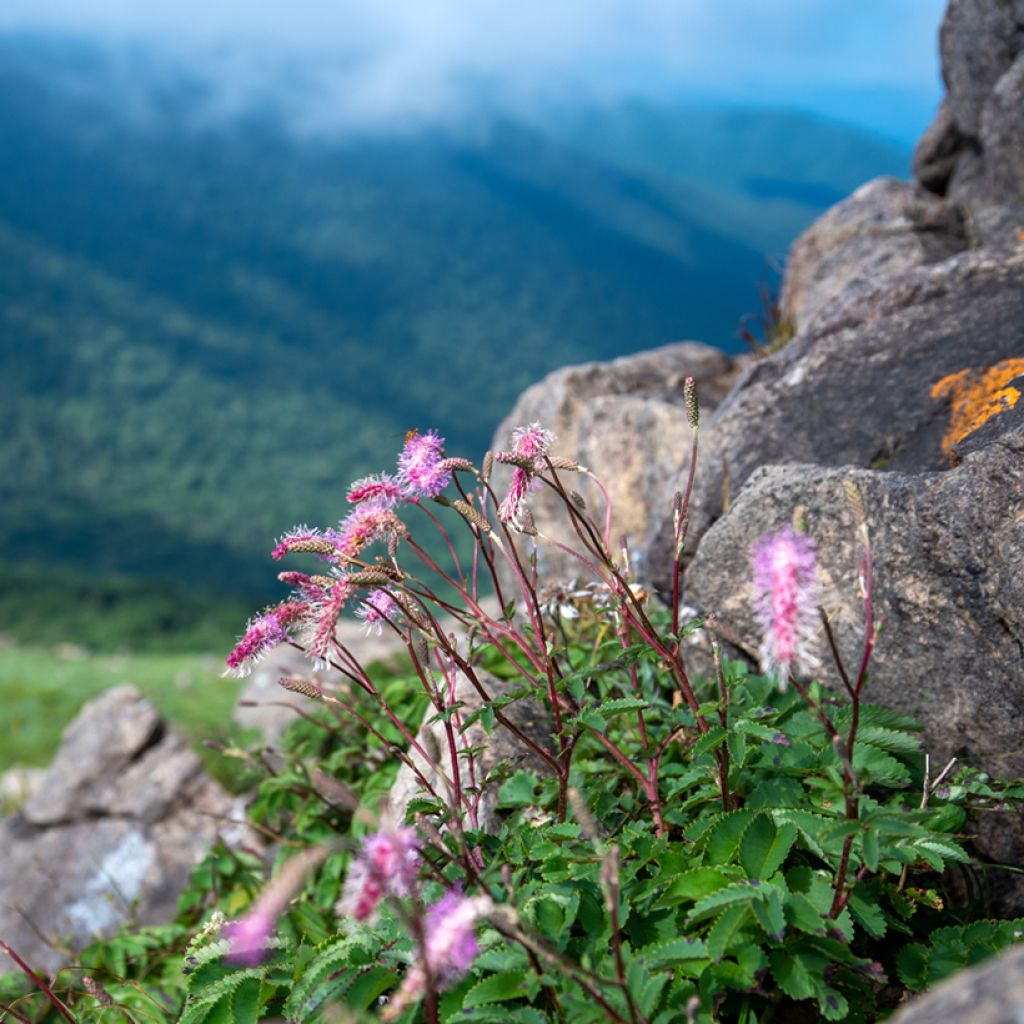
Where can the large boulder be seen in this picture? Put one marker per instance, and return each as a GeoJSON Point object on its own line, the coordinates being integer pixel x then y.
{"type": "Point", "coordinates": [991, 993]}
{"type": "Point", "coordinates": [974, 150]}
{"type": "Point", "coordinates": [887, 377]}
{"type": "Point", "coordinates": [110, 833]}
{"type": "Point", "coordinates": [626, 421]}
{"type": "Point", "coordinates": [885, 227]}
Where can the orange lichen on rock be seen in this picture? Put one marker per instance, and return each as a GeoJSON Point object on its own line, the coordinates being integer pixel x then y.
{"type": "Point", "coordinates": [976, 396]}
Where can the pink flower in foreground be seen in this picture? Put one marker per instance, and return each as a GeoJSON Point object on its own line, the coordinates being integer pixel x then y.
{"type": "Point", "coordinates": [379, 607]}
{"type": "Point", "coordinates": [262, 634]}
{"type": "Point", "coordinates": [387, 865]}
{"type": "Point", "coordinates": [529, 442]}
{"type": "Point", "coordinates": [383, 488]}
{"type": "Point", "coordinates": [785, 586]}
{"type": "Point", "coordinates": [450, 947]}
{"type": "Point", "coordinates": [249, 937]}
{"type": "Point", "coordinates": [421, 471]}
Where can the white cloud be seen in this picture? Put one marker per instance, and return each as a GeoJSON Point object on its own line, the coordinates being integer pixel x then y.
{"type": "Point", "coordinates": [389, 58]}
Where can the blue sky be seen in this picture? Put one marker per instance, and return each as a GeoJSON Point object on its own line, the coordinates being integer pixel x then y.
{"type": "Point", "coordinates": [869, 61]}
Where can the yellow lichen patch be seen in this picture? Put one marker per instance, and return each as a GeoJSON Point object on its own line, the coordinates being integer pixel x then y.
{"type": "Point", "coordinates": [976, 396]}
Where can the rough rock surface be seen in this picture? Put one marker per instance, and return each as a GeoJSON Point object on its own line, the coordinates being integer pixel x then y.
{"type": "Point", "coordinates": [110, 834]}
{"type": "Point", "coordinates": [626, 421]}
{"type": "Point", "coordinates": [861, 385]}
{"type": "Point", "coordinates": [991, 993]}
{"type": "Point", "coordinates": [885, 227]}
{"type": "Point", "coordinates": [501, 747]}
{"type": "Point", "coordinates": [974, 150]}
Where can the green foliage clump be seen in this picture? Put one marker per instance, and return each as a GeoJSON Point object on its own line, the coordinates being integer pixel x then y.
{"type": "Point", "coordinates": [738, 849]}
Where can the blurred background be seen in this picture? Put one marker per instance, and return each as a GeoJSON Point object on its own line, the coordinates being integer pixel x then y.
{"type": "Point", "coordinates": [245, 247]}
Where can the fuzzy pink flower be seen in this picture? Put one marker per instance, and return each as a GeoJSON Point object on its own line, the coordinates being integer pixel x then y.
{"type": "Point", "coordinates": [387, 865]}
{"type": "Point", "coordinates": [366, 523]}
{"type": "Point", "coordinates": [450, 947]}
{"type": "Point", "coordinates": [262, 634]}
{"type": "Point", "coordinates": [382, 488]}
{"type": "Point", "coordinates": [379, 607]}
{"type": "Point", "coordinates": [249, 937]}
{"type": "Point", "coordinates": [421, 471]}
{"type": "Point", "coordinates": [529, 442]}
{"type": "Point", "coordinates": [785, 586]}
{"type": "Point", "coordinates": [532, 441]}
{"type": "Point", "coordinates": [325, 616]}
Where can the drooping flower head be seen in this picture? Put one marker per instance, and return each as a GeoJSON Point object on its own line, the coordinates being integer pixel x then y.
{"type": "Point", "coordinates": [262, 634]}
{"type": "Point", "coordinates": [785, 589]}
{"type": "Point", "coordinates": [379, 607]}
{"type": "Point", "coordinates": [421, 469]}
{"type": "Point", "coordinates": [387, 865]}
{"type": "Point", "coordinates": [528, 443]}
{"type": "Point", "coordinates": [324, 618]}
{"type": "Point", "coordinates": [383, 489]}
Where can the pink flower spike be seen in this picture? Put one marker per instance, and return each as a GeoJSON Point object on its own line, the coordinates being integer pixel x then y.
{"type": "Point", "coordinates": [785, 590]}
{"type": "Point", "coordinates": [532, 441]}
{"type": "Point", "coordinates": [512, 504]}
{"type": "Point", "coordinates": [381, 488]}
{"type": "Point", "coordinates": [326, 617]}
{"type": "Point", "coordinates": [379, 607]}
{"type": "Point", "coordinates": [366, 523]}
{"type": "Point", "coordinates": [249, 937]}
{"type": "Point", "coordinates": [300, 533]}
{"type": "Point", "coordinates": [387, 865]}
{"type": "Point", "coordinates": [420, 466]}
{"type": "Point", "coordinates": [262, 634]}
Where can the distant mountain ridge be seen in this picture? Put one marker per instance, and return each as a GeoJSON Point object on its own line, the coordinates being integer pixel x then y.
{"type": "Point", "coordinates": [207, 329]}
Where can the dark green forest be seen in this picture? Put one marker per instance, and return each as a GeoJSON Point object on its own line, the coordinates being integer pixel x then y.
{"type": "Point", "coordinates": [208, 326]}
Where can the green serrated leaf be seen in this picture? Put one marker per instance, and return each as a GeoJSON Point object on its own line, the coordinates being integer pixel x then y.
{"type": "Point", "coordinates": [245, 1003]}
{"type": "Point", "coordinates": [764, 847]}
{"type": "Point", "coordinates": [691, 885]}
{"type": "Point", "coordinates": [725, 930]}
{"type": "Point", "coordinates": [497, 988]}
{"type": "Point", "coordinates": [739, 892]}
{"type": "Point", "coordinates": [792, 974]}
{"type": "Point", "coordinates": [724, 841]}
{"type": "Point", "coordinates": [674, 951]}
{"type": "Point", "coordinates": [770, 916]}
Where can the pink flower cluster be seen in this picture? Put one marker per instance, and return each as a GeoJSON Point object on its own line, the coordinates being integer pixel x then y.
{"type": "Point", "coordinates": [387, 865]}
{"type": "Point", "coordinates": [529, 442]}
{"type": "Point", "coordinates": [785, 586]}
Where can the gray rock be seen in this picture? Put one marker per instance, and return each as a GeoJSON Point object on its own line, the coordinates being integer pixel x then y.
{"type": "Point", "coordinates": [991, 993]}
{"type": "Point", "coordinates": [1002, 137]}
{"type": "Point", "coordinates": [626, 421]}
{"type": "Point", "coordinates": [500, 748]}
{"type": "Point", "coordinates": [979, 40]}
{"type": "Point", "coordinates": [947, 548]}
{"type": "Point", "coordinates": [118, 845]}
{"type": "Point", "coordinates": [886, 227]}
{"type": "Point", "coordinates": [937, 152]}
{"type": "Point", "coordinates": [856, 387]}
{"type": "Point", "coordinates": [97, 747]}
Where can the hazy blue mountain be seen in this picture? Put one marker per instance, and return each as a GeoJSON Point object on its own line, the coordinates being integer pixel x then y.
{"type": "Point", "coordinates": [207, 327]}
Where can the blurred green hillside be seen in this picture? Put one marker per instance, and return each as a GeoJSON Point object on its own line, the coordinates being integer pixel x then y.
{"type": "Point", "coordinates": [208, 326]}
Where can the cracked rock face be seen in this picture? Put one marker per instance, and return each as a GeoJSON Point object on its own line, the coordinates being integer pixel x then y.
{"type": "Point", "coordinates": [110, 834]}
